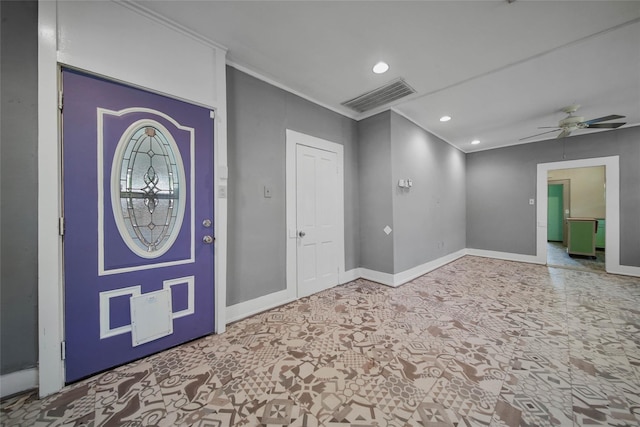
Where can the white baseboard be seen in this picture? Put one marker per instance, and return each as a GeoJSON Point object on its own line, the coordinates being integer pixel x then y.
{"type": "Point", "coordinates": [377, 276]}
{"type": "Point", "coordinates": [625, 270]}
{"type": "Point", "coordinates": [395, 280]}
{"type": "Point", "coordinates": [408, 275]}
{"type": "Point", "coordinates": [17, 382]}
{"type": "Point", "coordinates": [350, 276]}
{"type": "Point", "coordinates": [249, 308]}
{"type": "Point", "coordinates": [507, 256]}
{"type": "Point", "coordinates": [257, 305]}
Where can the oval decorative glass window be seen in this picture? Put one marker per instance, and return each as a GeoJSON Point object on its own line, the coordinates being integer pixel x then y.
{"type": "Point", "coordinates": [147, 188]}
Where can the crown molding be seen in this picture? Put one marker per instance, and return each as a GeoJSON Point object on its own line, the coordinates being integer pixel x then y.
{"type": "Point", "coordinates": [400, 113]}
{"type": "Point", "coordinates": [286, 88]}
{"type": "Point", "coordinates": [169, 23]}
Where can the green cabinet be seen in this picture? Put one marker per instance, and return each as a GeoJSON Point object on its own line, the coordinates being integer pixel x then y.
{"type": "Point", "coordinates": [582, 236]}
{"type": "Point", "coordinates": [601, 233]}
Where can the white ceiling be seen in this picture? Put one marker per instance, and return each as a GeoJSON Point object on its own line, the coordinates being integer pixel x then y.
{"type": "Point", "coordinates": [499, 69]}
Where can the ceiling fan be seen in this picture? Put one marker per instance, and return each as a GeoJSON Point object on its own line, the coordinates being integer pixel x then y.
{"type": "Point", "coordinates": [572, 123]}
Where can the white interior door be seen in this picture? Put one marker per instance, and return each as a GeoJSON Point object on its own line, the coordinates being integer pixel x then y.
{"type": "Point", "coordinates": [316, 219]}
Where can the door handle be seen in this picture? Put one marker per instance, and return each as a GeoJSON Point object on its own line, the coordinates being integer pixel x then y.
{"type": "Point", "coordinates": [208, 240]}
{"type": "Point", "coordinates": [301, 233]}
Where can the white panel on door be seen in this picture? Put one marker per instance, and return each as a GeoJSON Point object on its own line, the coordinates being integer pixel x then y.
{"type": "Point", "coordinates": [151, 316]}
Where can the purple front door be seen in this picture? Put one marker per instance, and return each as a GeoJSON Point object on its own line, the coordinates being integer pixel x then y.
{"type": "Point", "coordinates": [138, 209]}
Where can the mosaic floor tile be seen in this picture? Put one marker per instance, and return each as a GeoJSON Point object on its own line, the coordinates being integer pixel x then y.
{"type": "Point", "coordinates": [129, 396]}
{"type": "Point", "coordinates": [542, 397]}
{"type": "Point", "coordinates": [477, 342]}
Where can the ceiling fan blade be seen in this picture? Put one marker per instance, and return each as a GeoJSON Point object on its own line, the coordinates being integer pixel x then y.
{"type": "Point", "coordinates": [565, 132]}
{"type": "Point", "coordinates": [605, 125]}
{"type": "Point", "coordinates": [543, 133]}
{"type": "Point", "coordinates": [604, 119]}
{"type": "Point", "coordinates": [548, 127]}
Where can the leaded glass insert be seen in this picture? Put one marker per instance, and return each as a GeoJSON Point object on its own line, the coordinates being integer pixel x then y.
{"type": "Point", "coordinates": [147, 189]}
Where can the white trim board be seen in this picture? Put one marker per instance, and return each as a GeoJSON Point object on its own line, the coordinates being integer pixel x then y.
{"type": "Point", "coordinates": [401, 114]}
{"type": "Point", "coordinates": [349, 276]}
{"type": "Point", "coordinates": [258, 305]}
{"type": "Point", "coordinates": [254, 306]}
{"type": "Point", "coordinates": [17, 382]}
{"type": "Point", "coordinates": [286, 88]}
{"type": "Point", "coordinates": [612, 200]}
{"type": "Point", "coordinates": [85, 35]}
{"type": "Point", "coordinates": [626, 270]}
{"type": "Point", "coordinates": [294, 139]}
{"type": "Point", "coordinates": [170, 23]}
{"type": "Point", "coordinates": [50, 320]}
{"type": "Point", "coordinates": [507, 256]}
{"type": "Point", "coordinates": [397, 279]}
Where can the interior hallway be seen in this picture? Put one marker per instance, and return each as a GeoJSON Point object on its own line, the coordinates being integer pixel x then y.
{"type": "Point", "coordinates": [476, 342]}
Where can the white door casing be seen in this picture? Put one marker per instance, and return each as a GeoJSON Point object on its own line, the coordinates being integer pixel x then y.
{"type": "Point", "coordinates": [612, 177]}
{"type": "Point", "coordinates": [94, 47]}
{"type": "Point", "coordinates": [315, 261]}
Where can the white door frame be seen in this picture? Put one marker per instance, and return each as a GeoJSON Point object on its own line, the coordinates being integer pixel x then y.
{"type": "Point", "coordinates": [50, 54]}
{"type": "Point", "coordinates": [612, 200]}
{"type": "Point", "coordinates": [293, 139]}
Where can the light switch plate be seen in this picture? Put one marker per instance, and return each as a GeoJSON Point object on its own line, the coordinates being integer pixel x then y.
{"type": "Point", "coordinates": [267, 192]}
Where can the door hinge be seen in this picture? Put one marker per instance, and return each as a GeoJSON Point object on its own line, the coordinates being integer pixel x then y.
{"type": "Point", "coordinates": [212, 114]}
{"type": "Point", "coordinates": [60, 100]}
{"type": "Point", "coordinates": [61, 226]}
{"type": "Point", "coordinates": [63, 350]}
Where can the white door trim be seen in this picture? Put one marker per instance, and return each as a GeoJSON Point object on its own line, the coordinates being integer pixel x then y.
{"type": "Point", "coordinates": [50, 280]}
{"type": "Point", "coordinates": [612, 177]}
{"type": "Point", "coordinates": [293, 139]}
{"type": "Point", "coordinates": [50, 316]}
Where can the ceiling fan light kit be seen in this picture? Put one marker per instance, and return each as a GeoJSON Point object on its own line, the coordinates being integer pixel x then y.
{"type": "Point", "coordinates": [572, 123]}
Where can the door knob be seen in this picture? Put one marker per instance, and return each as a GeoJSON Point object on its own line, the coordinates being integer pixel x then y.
{"type": "Point", "coordinates": [301, 233]}
{"type": "Point", "coordinates": [207, 239]}
{"type": "Point", "coordinates": [206, 223]}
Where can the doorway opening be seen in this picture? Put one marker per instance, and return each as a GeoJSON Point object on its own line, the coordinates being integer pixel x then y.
{"type": "Point", "coordinates": [576, 218]}
{"type": "Point", "coordinates": [611, 236]}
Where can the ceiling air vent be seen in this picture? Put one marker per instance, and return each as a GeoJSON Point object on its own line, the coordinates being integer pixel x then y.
{"type": "Point", "coordinates": [383, 95]}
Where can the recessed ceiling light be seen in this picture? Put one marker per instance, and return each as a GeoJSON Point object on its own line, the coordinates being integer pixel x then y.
{"type": "Point", "coordinates": [445, 118]}
{"type": "Point", "coordinates": [475, 142]}
{"type": "Point", "coordinates": [380, 67]}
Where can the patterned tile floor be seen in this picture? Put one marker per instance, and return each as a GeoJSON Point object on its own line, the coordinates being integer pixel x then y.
{"type": "Point", "coordinates": [477, 342]}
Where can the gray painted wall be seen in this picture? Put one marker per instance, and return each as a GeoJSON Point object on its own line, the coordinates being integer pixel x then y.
{"type": "Point", "coordinates": [19, 181]}
{"type": "Point", "coordinates": [376, 186]}
{"type": "Point", "coordinates": [258, 116]}
{"type": "Point", "coordinates": [430, 218]}
{"type": "Point", "coordinates": [500, 182]}
{"type": "Point", "coordinates": [378, 151]}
